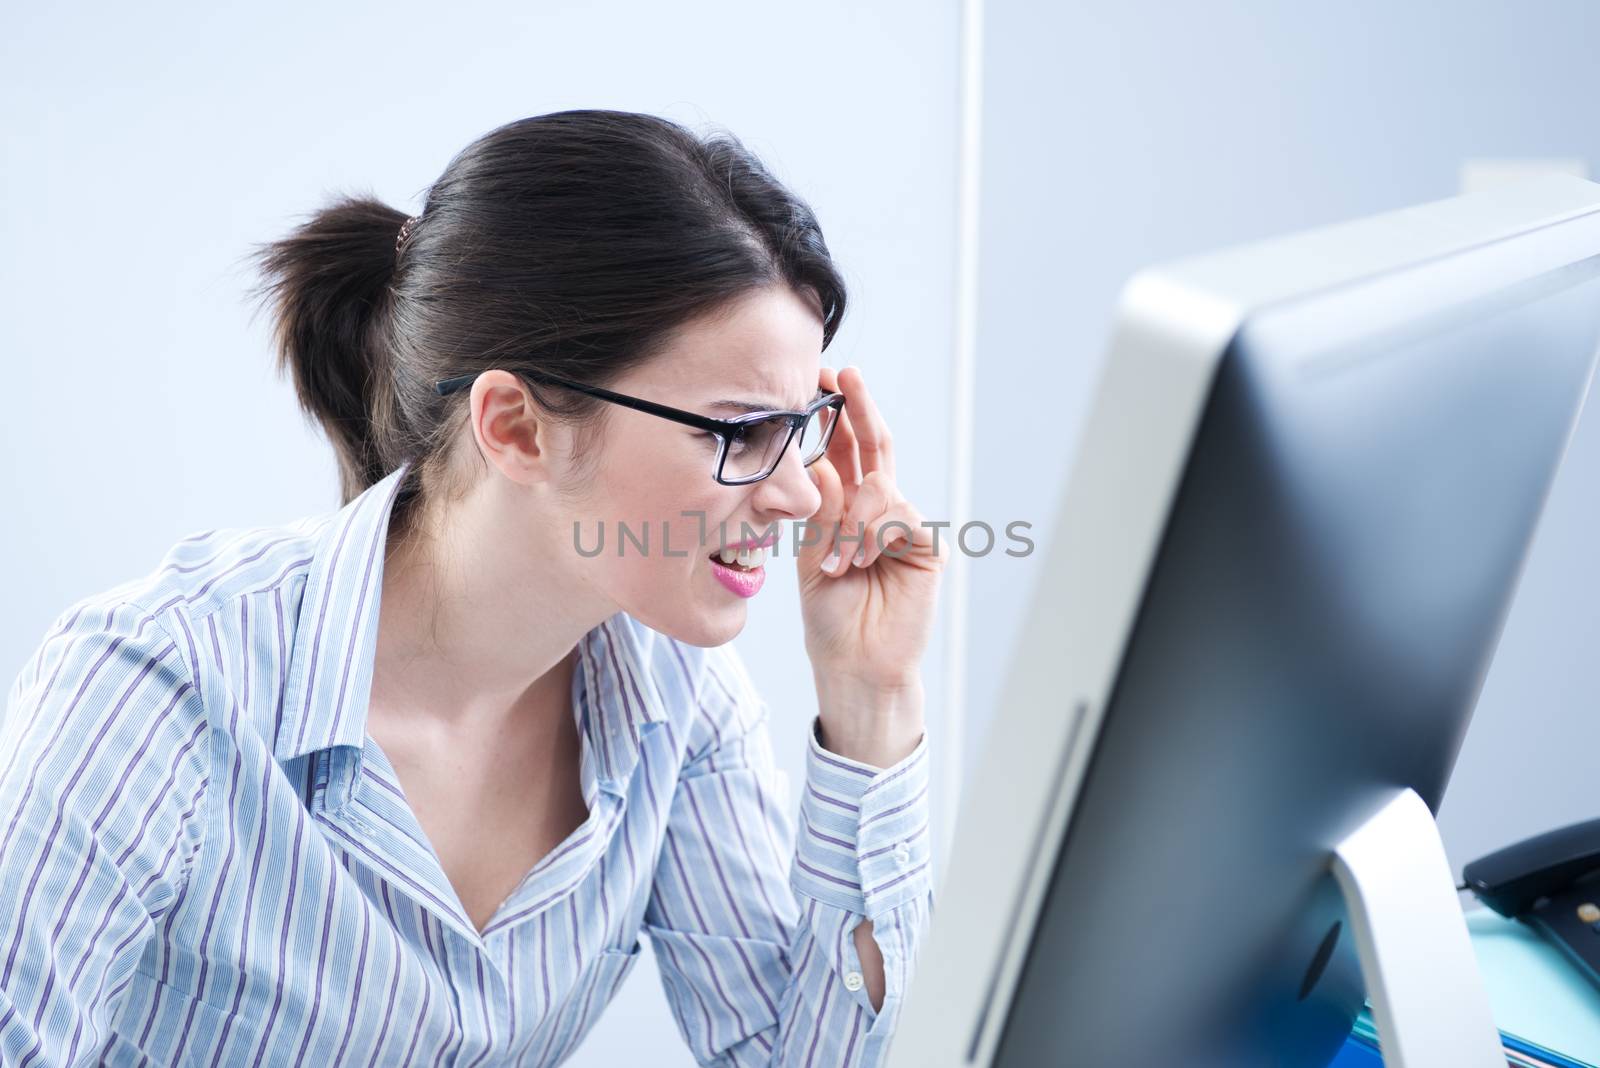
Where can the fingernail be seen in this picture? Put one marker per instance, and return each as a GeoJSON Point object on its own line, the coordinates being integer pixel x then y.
{"type": "Point", "coordinates": [861, 556]}
{"type": "Point", "coordinates": [831, 562]}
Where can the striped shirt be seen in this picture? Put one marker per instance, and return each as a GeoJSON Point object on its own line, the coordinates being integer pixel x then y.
{"type": "Point", "coordinates": [205, 859]}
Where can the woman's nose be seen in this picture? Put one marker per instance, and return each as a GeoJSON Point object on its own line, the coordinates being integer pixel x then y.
{"type": "Point", "coordinates": [789, 489]}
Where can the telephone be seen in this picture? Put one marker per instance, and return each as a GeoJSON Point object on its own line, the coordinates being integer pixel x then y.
{"type": "Point", "coordinates": [1552, 883]}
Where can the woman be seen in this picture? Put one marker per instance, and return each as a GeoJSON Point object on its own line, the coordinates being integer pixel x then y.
{"type": "Point", "coordinates": [402, 783]}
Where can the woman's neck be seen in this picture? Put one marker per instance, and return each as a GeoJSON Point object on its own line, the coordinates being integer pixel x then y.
{"type": "Point", "coordinates": [476, 624]}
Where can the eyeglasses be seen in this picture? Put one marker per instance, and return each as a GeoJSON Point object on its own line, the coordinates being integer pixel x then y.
{"type": "Point", "coordinates": [749, 446]}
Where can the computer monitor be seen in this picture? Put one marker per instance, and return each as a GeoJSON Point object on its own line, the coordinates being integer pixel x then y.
{"type": "Point", "coordinates": [1200, 830]}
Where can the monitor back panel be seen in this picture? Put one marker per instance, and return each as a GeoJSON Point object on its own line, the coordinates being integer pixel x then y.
{"type": "Point", "coordinates": [1321, 613]}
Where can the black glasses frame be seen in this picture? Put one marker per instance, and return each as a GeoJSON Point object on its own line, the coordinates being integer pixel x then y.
{"type": "Point", "coordinates": [725, 430]}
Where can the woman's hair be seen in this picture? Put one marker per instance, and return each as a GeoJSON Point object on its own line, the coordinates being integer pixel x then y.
{"type": "Point", "coordinates": [573, 243]}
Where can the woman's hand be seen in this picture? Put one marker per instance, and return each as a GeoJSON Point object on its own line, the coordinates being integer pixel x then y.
{"type": "Point", "coordinates": [868, 618]}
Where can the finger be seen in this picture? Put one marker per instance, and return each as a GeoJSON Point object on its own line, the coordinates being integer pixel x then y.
{"type": "Point", "coordinates": [841, 455]}
{"type": "Point", "coordinates": [842, 446]}
{"type": "Point", "coordinates": [817, 530]}
{"type": "Point", "coordinates": [873, 496]}
{"type": "Point", "coordinates": [844, 451]}
{"type": "Point", "coordinates": [891, 528]}
{"type": "Point", "coordinates": [872, 432]}
{"type": "Point", "coordinates": [897, 533]}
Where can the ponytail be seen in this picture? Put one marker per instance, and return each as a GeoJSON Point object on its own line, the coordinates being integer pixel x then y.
{"type": "Point", "coordinates": [329, 285]}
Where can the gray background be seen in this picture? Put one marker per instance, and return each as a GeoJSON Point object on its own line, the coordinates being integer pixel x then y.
{"type": "Point", "coordinates": [145, 152]}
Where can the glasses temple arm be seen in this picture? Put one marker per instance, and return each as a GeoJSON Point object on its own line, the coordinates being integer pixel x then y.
{"type": "Point", "coordinates": [677, 415]}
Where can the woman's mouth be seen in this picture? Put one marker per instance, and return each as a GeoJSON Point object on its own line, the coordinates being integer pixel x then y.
{"type": "Point", "coordinates": [746, 559]}
{"type": "Point", "coordinates": [740, 571]}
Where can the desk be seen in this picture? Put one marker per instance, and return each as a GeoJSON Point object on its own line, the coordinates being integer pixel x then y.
{"type": "Point", "coordinates": [1534, 992]}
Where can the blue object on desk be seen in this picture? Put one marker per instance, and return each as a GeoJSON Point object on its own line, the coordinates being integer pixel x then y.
{"type": "Point", "coordinates": [1356, 1054]}
{"type": "Point", "coordinates": [1541, 1004]}
{"type": "Point", "coordinates": [1534, 990]}
{"type": "Point", "coordinates": [1361, 1050]}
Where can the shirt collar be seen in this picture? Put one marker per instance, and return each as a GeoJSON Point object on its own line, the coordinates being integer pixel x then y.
{"type": "Point", "coordinates": [329, 678]}
{"type": "Point", "coordinates": [616, 695]}
{"type": "Point", "coordinates": [336, 633]}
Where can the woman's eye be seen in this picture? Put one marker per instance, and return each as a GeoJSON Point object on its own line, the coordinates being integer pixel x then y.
{"type": "Point", "coordinates": [736, 442]}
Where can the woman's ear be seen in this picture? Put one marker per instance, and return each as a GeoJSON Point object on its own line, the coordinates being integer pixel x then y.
{"type": "Point", "coordinates": [513, 433]}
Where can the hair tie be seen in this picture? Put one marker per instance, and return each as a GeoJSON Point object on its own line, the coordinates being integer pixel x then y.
{"type": "Point", "coordinates": [405, 232]}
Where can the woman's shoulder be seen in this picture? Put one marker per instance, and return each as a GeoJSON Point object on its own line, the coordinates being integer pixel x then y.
{"type": "Point", "coordinates": [109, 679]}
{"type": "Point", "coordinates": [106, 747]}
{"type": "Point", "coordinates": [207, 570]}
{"type": "Point", "coordinates": [147, 632]}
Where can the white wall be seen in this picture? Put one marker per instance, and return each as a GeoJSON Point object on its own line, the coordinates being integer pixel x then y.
{"type": "Point", "coordinates": [146, 148]}
{"type": "Point", "coordinates": [1117, 135]}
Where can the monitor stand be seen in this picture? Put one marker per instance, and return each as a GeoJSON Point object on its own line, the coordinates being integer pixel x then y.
{"type": "Point", "coordinates": [1428, 1000]}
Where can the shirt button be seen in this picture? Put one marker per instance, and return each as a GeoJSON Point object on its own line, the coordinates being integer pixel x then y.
{"type": "Point", "coordinates": [852, 981]}
{"type": "Point", "coordinates": [902, 854]}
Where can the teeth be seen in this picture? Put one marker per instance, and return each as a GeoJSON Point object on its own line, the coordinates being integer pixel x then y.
{"type": "Point", "coordinates": [747, 557]}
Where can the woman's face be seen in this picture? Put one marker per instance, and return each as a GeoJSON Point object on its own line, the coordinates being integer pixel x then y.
{"type": "Point", "coordinates": [655, 475]}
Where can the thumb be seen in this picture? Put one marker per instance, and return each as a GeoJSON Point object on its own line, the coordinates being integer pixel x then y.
{"type": "Point", "coordinates": [818, 535]}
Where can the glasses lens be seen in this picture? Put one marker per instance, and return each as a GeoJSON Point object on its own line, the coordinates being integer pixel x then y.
{"type": "Point", "coordinates": [814, 435]}
{"type": "Point", "coordinates": [755, 449]}
{"type": "Point", "coordinates": [758, 450]}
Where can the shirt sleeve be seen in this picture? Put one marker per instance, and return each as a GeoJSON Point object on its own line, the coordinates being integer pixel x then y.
{"type": "Point", "coordinates": [103, 758]}
{"type": "Point", "coordinates": [753, 923]}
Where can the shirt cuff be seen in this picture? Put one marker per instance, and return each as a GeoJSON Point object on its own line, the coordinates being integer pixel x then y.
{"type": "Point", "coordinates": [863, 841]}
